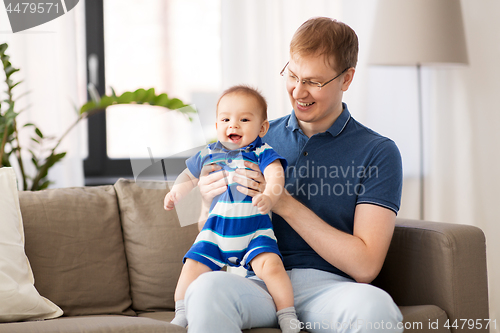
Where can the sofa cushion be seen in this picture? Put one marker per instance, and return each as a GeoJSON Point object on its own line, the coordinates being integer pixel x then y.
{"type": "Point", "coordinates": [424, 319]}
{"type": "Point", "coordinates": [154, 241]}
{"type": "Point", "coordinates": [94, 324]}
{"type": "Point", "coordinates": [169, 315]}
{"type": "Point", "coordinates": [75, 245]}
{"type": "Point", "coordinates": [19, 300]}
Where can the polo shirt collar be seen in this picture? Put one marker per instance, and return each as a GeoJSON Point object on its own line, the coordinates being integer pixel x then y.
{"type": "Point", "coordinates": [337, 127]}
{"type": "Point", "coordinates": [255, 144]}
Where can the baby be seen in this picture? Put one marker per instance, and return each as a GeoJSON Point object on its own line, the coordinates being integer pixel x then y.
{"type": "Point", "coordinates": [238, 231]}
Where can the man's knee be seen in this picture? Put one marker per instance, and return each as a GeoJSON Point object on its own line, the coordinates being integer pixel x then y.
{"type": "Point", "coordinates": [374, 309]}
{"type": "Point", "coordinates": [205, 287]}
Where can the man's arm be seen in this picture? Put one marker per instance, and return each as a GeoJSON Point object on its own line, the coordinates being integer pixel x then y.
{"type": "Point", "coordinates": [360, 255]}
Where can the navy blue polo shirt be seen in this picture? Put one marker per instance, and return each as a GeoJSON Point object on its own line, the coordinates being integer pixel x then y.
{"type": "Point", "coordinates": [330, 173]}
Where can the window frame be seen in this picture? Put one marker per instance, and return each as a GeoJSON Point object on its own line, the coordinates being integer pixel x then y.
{"type": "Point", "coordinates": [99, 169]}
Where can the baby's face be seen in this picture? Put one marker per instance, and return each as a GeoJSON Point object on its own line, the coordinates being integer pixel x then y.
{"type": "Point", "coordinates": [239, 120]}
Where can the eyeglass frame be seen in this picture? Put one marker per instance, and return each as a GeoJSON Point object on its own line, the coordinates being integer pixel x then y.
{"type": "Point", "coordinates": [320, 85]}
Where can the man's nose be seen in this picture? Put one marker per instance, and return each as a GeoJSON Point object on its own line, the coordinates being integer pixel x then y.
{"type": "Point", "coordinates": [300, 90]}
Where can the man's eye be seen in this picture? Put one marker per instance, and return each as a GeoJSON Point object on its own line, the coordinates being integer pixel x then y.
{"type": "Point", "coordinates": [312, 83]}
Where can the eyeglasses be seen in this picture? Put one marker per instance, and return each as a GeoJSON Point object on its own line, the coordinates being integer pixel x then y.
{"type": "Point", "coordinates": [291, 77]}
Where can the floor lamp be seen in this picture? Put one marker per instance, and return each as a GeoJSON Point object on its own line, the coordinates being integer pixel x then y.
{"type": "Point", "coordinates": [418, 33]}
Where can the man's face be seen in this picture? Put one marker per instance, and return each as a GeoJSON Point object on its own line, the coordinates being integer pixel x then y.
{"type": "Point", "coordinates": [239, 120]}
{"type": "Point", "coordinates": [316, 109]}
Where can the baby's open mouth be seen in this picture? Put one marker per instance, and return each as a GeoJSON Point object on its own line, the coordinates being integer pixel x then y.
{"type": "Point", "coordinates": [234, 137]}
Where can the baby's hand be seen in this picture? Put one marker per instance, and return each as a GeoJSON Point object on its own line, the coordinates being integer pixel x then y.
{"type": "Point", "coordinates": [263, 203]}
{"type": "Point", "coordinates": [170, 200]}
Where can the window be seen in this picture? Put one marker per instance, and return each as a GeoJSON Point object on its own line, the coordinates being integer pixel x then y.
{"type": "Point", "coordinates": [134, 44]}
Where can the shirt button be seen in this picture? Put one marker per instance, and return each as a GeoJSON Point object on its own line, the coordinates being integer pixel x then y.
{"type": "Point", "coordinates": [305, 153]}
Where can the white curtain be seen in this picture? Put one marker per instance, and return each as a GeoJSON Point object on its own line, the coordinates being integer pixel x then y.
{"type": "Point", "coordinates": [51, 59]}
{"type": "Point", "coordinates": [255, 39]}
{"type": "Point", "coordinates": [461, 105]}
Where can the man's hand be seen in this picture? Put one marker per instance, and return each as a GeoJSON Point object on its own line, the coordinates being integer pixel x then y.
{"type": "Point", "coordinates": [252, 181]}
{"type": "Point", "coordinates": [212, 183]}
{"type": "Point", "coordinates": [263, 203]}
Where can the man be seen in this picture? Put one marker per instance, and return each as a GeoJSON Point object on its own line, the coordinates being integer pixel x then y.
{"type": "Point", "coordinates": [335, 221]}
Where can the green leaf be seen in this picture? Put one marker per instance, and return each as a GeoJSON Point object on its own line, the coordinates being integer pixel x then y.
{"type": "Point", "coordinates": [28, 125]}
{"type": "Point", "coordinates": [174, 104]}
{"type": "Point", "coordinates": [50, 161]}
{"type": "Point", "coordinates": [38, 132]}
{"type": "Point", "coordinates": [139, 94]}
{"type": "Point", "coordinates": [10, 116]}
{"type": "Point", "coordinates": [13, 86]}
{"type": "Point", "coordinates": [126, 98]}
{"type": "Point", "coordinates": [10, 70]}
{"type": "Point", "coordinates": [91, 105]}
{"type": "Point", "coordinates": [149, 97]}
{"type": "Point", "coordinates": [3, 47]}
{"type": "Point", "coordinates": [45, 185]}
{"type": "Point", "coordinates": [106, 101]}
{"type": "Point", "coordinates": [161, 100]}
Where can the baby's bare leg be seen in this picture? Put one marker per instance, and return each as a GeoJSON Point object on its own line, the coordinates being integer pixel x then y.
{"type": "Point", "coordinates": [269, 267]}
{"type": "Point", "coordinates": [190, 271]}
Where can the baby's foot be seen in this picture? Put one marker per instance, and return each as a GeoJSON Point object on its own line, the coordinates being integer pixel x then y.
{"type": "Point", "coordinates": [288, 321]}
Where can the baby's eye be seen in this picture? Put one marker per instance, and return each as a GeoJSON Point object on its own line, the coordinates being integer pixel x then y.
{"type": "Point", "coordinates": [225, 120]}
{"type": "Point", "coordinates": [244, 120]}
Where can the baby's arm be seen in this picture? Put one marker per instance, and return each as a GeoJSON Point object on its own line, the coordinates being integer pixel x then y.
{"type": "Point", "coordinates": [182, 186]}
{"type": "Point", "coordinates": [275, 180]}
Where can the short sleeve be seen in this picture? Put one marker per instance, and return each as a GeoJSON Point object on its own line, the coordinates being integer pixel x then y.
{"type": "Point", "coordinates": [382, 181]}
{"type": "Point", "coordinates": [268, 156]}
{"type": "Point", "coordinates": [195, 164]}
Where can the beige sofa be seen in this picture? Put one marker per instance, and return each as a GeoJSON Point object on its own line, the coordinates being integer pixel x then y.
{"type": "Point", "coordinates": [109, 256]}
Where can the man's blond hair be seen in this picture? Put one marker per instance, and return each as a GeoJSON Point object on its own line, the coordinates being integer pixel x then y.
{"type": "Point", "coordinates": [331, 38]}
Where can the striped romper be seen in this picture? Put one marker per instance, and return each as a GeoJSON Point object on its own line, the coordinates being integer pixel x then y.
{"type": "Point", "coordinates": [235, 232]}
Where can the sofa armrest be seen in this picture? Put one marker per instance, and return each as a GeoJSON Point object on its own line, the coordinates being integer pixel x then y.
{"type": "Point", "coordinates": [439, 264]}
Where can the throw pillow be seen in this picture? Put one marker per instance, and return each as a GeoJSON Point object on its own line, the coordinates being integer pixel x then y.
{"type": "Point", "coordinates": [19, 300]}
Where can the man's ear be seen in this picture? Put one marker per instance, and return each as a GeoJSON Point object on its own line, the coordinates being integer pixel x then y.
{"type": "Point", "coordinates": [348, 77]}
{"type": "Point", "coordinates": [263, 128]}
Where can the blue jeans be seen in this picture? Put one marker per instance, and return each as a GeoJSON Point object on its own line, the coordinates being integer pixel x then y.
{"type": "Point", "coordinates": [325, 302]}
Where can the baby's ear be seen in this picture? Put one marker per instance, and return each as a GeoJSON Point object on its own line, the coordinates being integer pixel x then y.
{"type": "Point", "coordinates": [264, 128]}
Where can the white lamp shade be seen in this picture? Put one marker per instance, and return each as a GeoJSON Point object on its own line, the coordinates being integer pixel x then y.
{"type": "Point", "coordinates": [412, 32]}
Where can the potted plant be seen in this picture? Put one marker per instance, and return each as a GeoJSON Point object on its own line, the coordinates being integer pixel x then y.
{"type": "Point", "coordinates": [44, 149]}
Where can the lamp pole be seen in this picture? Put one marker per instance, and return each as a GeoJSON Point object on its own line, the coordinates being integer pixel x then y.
{"type": "Point", "coordinates": [421, 141]}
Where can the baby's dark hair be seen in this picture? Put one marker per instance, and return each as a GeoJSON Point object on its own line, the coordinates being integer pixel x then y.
{"type": "Point", "coordinates": [247, 90]}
